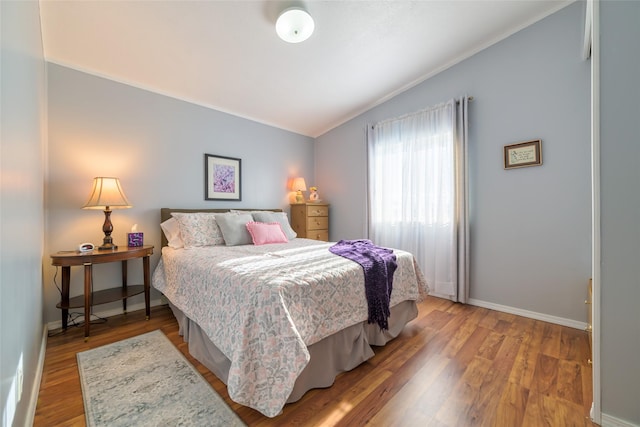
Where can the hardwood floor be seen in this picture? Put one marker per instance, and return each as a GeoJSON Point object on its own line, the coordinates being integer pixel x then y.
{"type": "Point", "coordinates": [455, 365]}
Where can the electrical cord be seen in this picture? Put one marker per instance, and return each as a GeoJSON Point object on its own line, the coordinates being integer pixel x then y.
{"type": "Point", "coordinates": [55, 282]}
{"type": "Point", "coordinates": [72, 316]}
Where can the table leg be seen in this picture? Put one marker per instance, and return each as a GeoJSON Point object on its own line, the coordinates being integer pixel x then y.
{"type": "Point", "coordinates": [87, 299]}
{"type": "Point", "coordinates": [124, 285]}
{"type": "Point", "coordinates": [66, 279]}
{"type": "Point", "coordinates": [147, 286]}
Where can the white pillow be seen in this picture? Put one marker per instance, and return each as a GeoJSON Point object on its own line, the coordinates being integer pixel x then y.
{"type": "Point", "coordinates": [234, 228]}
{"type": "Point", "coordinates": [171, 230]}
{"type": "Point", "coordinates": [279, 217]}
{"type": "Point", "coordinates": [199, 229]}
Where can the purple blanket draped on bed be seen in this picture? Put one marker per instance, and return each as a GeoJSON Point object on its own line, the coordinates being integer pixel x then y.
{"type": "Point", "coordinates": [378, 264]}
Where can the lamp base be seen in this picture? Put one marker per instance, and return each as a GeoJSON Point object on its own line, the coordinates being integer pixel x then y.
{"type": "Point", "coordinates": [108, 247]}
{"type": "Point", "coordinates": [107, 228]}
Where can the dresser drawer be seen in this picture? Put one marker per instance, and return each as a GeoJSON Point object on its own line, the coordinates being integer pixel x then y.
{"type": "Point", "coordinates": [318, 223]}
{"type": "Point", "coordinates": [317, 210]}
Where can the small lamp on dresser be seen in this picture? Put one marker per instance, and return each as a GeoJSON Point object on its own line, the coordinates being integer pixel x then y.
{"type": "Point", "coordinates": [299, 186]}
{"type": "Point", "coordinates": [107, 194]}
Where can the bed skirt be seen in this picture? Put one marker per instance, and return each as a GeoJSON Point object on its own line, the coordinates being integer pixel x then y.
{"type": "Point", "coordinates": [330, 356]}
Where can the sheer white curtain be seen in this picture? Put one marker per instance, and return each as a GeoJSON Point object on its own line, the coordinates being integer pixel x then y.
{"type": "Point", "coordinates": [417, 192]}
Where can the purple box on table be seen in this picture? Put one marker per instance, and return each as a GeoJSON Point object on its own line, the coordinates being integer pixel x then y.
{"type": "Point", "coordinates": [135, 239]}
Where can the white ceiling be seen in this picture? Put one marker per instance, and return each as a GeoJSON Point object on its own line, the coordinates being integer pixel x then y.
{"type": "Point", "coordinates": [226, 54]}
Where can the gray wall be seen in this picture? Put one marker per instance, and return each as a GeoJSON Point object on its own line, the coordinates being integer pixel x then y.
{"type": "Point", "coordinates": [22, 140]}
{"type": "Point", "coordinates": [156, 146]}
{"type": "Point", "coordinates": [620, 208]}
{"type": "Point", "coordinates": [530, 227]}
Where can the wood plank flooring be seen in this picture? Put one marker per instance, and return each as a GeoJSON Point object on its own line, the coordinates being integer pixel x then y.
{"type": "Point", "coordinates": [455, 365]}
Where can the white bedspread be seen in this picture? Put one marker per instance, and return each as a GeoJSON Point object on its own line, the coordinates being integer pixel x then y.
{"type": "Point", "coordinates": [262, 305]}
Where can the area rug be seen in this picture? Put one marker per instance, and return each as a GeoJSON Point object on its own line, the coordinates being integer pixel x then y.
{"type": "Point", "coordinates": [146, 381]}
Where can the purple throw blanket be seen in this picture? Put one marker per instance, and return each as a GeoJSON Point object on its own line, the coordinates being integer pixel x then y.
{"type": "Point", "coordinates": [378, 264]}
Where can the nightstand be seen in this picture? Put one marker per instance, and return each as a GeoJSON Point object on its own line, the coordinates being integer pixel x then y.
{"type": "Point", "coordinates": [311, 220]}
{"type": "Point", "coordinates": [66, 260]}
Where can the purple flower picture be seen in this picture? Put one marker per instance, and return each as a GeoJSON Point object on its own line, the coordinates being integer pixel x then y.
{"type": "Point", "coordinates": [224, 179]}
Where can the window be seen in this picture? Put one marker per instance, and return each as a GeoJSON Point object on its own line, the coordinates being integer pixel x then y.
{"type": "Point", "coordinates": [415, 178]}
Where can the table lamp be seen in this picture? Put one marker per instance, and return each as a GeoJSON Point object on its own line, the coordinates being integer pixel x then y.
{"type": "Point", "coordinates": [299, 186]}
{"type": "Point", "coordinates": [107, 194]}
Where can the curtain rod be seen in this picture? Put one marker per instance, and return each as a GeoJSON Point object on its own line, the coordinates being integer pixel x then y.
{"type": "Point", "coordinates": [470, 98]}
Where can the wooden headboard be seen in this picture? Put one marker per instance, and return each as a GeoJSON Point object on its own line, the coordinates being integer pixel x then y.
{"type": "Point", "coordinates": [166, 213]}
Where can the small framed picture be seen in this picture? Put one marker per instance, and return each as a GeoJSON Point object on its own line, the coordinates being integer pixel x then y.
{"type": "Point", "coordinates": [523, 154]}
{"type": "Point", "coordinates": [222, 178]}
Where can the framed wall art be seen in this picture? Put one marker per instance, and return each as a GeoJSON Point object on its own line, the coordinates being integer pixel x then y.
{"type": "Point", "coordinates": [222, 178]}
{"type": "Point", "coordinates": [523, 154]}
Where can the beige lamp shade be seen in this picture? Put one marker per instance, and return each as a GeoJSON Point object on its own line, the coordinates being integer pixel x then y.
{"type": "Point", "coordinates": [299, 185]}
{"type": "Point", "coordinates": [107, 194]}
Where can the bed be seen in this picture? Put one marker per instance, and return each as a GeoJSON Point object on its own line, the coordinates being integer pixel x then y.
{"type": "Point", "coordinates": [275, 320]}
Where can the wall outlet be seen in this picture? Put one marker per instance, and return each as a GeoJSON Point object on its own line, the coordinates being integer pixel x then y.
{"type": "Point", "coordinates": [19, 381]}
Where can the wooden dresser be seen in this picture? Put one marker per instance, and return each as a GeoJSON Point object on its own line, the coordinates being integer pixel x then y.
{"type": "Point", "coordinates": [311, 220]}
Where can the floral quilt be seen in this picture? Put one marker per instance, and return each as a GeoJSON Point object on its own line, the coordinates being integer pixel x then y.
{"type": "Point", "coordinates": [263, 305]}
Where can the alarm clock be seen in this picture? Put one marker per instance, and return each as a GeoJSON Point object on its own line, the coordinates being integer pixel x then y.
{"type": "Point", "coordinates": [85, 247]}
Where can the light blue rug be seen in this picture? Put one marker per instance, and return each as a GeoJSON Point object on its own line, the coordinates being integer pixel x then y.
{"type": "Point", "coordinates": [146, 381]}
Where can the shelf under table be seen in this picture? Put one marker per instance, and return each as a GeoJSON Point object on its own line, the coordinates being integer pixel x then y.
{"type": "Point", "coordinates": [104, 296]}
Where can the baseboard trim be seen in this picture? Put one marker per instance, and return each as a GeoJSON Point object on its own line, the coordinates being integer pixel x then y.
{"type": "Point", "coordinates": [610, 421]}
{"type": "Point", "coordinates": [57, 324]}
{"type": "Point", "coordinates": [35, 387]}
{"type": "Point", "coordinates": [530, 314]}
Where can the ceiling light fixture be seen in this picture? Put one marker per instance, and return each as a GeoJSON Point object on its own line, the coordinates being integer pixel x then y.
{"type": "Point", "coordinates": [294, 25]}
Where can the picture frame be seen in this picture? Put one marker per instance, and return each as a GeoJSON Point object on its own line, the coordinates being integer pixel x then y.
{"type": "Point", "coordinates": [222, 178]}
{"type": "Point", "coordinates": [523, 154]}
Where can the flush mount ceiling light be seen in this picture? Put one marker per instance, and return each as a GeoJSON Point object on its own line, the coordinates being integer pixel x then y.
{"type": "Point", "coordinates": [294, 25]}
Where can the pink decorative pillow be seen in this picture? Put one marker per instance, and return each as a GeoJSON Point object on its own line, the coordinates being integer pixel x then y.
{"type": "Point", "coordinates": [266, 232]}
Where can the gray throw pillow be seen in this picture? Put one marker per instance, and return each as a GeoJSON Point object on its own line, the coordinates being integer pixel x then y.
{"type": "Point", "coordinates": [234, 228]}
{"type": "Point", "coordinates": [279, 217]}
